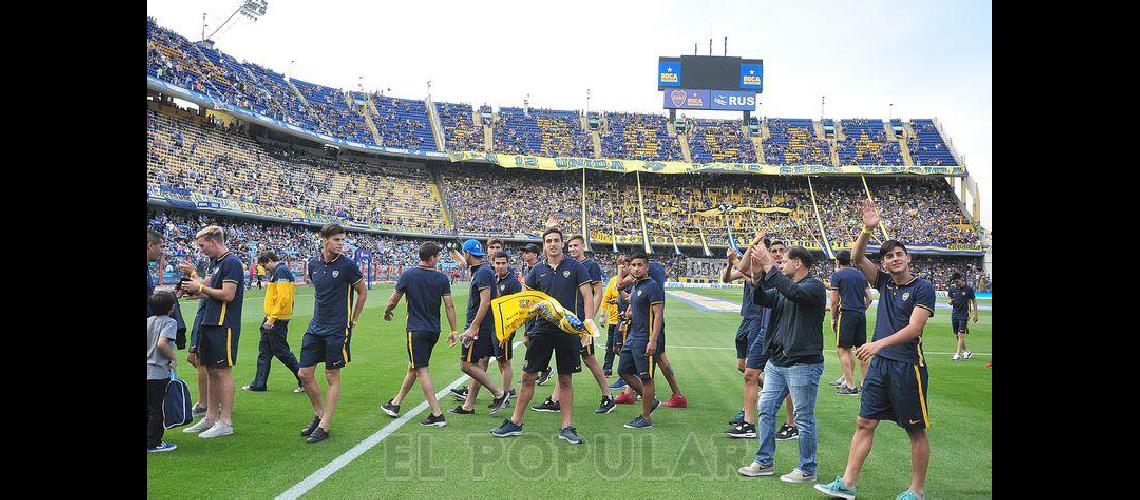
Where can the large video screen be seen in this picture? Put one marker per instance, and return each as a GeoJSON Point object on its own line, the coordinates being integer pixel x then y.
{"type": "Point", "coordinates": [710, 73]}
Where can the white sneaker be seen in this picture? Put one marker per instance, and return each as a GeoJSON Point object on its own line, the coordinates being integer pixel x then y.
{"type": "Point", "coordinates": [957, 358]}
{"type": "Point", "coordinates": [969, 354]}
{"type": "Point", "coordinates": [798, 476]}
{"type": "Point", "coordinates": [754, 469]}
{"type": "Point", "coordinates": [219, 429]}
{"type": "Point", "coordinates": [202, 425]}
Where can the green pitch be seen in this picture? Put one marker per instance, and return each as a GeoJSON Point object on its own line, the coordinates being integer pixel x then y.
{"type": "Point", "coordinates": [685, 454]}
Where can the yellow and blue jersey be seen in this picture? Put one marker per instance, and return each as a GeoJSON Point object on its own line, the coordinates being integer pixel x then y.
{"type": "Point", "coordinates": [217, 312]}
{"type": "Point", "coordinates": [333, 283]}
{"type": "Point", "coordinates": [278, 304]}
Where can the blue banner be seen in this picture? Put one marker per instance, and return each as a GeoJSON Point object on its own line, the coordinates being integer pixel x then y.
{"type": "Point", "coordinates": [686, 99]}
{"type": "Point", "coordinates": [669, 74]}
{"type": "Point", "coordinates": [752, 77]}
{"type": "Point", "coordinates": [734, 100]}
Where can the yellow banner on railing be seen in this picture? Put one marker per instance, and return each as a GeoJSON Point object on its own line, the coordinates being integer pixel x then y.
{"type": "Point", "coordinates": [682, 167]}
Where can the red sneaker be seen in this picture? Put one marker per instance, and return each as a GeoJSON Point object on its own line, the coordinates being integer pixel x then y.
{"type": "Point", "coordinates": [677, 402]}
{"type": "Point", "coordinates": [624, 399]}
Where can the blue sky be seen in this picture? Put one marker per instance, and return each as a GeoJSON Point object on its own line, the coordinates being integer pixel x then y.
{"type": "Point", "coordinates": [930, 59]}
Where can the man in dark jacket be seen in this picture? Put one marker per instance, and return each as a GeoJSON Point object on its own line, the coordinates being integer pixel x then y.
{"type": "Point", "coordinates": [795, 365]}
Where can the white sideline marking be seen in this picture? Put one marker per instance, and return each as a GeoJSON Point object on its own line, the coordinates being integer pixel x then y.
{"type": "Point", "coordinates": [367, 444]}
{"type": "Point", "coordinates": [825, 350]}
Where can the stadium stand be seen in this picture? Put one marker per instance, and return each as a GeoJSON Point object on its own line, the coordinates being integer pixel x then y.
{"type": "Point", "coordinates": [638, 136]}
{"type": "Point", "coordinates": [866, 143]}
{"type": "Point", "coordinates": [185, 155]}
{"type": "Point", "coordinates": [403, 123]}
{"type": "Point", "coordinates": [720, 141]}
{"type": "Point", "coordinates": [793, 142]}
{"type": "Point", "coordinates": [927, 146]}
{"type": "Point", "coordinates": [541, 132]}
{"type": "Point", "coordinates": [334, 115]}
{"type": "Point", "coordinates": [500, 202]}
{"type": "Point", "coordinates": [459, 131]}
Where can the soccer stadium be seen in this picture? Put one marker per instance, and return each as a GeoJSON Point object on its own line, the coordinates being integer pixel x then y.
{"type": "Point", "coordinates": [286, 195]}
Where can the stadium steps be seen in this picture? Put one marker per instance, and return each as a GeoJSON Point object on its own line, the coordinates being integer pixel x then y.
{"type": "Point", "coordinates": [819, 220]}
{"type": "Point", "coordinates": [476, 117]}
{"type": "Point", "coordinates": [437, 191]}
{"type": "Point", "coordinates": [367, 119]}
{"type": "Point", "coordinates": [757, 142]}
{"type": "Point", "coordinates": [904, 150]}
{"type": "Point", "coordinates": [489, 133]}
{"type": "Point", "coordinates": [594, 138]}
{"type": "Point", "coordinates": [641, 215]}
{"type": "Point", "coordinates": [436, 127]}
{"type": "Point", "coordinates": [297, 92]}
{"type": "Point", "coordinates": [818, 128]}
{"type": "Point", "coordinates": [683, 140]}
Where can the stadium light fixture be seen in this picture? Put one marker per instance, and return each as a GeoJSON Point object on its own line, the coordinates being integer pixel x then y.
{"type": "Point", "coordinates": [251, 9]}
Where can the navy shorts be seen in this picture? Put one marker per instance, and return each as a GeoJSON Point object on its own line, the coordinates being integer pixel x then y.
{"type": "Point", "coordinates": [633, 360]}
{"type": "Point", "coordinates": [747, 331]}
{"type": "Point", "coordinates": [332, 350]}
{"type": "Point", "coordinates": [482, 347]}
{"type": "Point", "coordinates": [420, 345]}
{"type": "Point", "coordinates": [613, 339]}
{"type": "Point", "coordinates": [852, 329]}
{"type": "Point", "coordinates": [895, 390]}
{"type": "Point", "coordinates": [504, 350]}
{"type": "Point", "coordinates": [757, 351]}
{"type": "Point", "coordinates": [565, 347]}
{"type": "Point", "coordinates": [217, 346]}
{"type": "Point", "coordinates": [960, 324]}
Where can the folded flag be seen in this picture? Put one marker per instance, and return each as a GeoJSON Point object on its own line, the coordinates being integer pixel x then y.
{"type": "Point", "coordinates": [511, 311]}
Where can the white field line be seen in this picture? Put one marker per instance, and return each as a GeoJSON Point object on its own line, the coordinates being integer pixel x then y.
{"type": "Point", "coordinates": [368, 443]}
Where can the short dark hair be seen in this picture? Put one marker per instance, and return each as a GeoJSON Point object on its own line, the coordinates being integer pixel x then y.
{"type": "Point", "coordinates": [551, 230]}
{"type": "Point", "coordinates": [577, 237]}
{"type": "Point", "coordinates": [639, 255]}
{"type": "Point", "coordinates": [153, 237]}
{"type": "Point", "coordinates": [162, 303]}
{"type": "Point", "coordinates": [844, 257]}
{"type": "Point", "coordinates": [267, 257]}
{"type": "Point", "coordinates": [332, 229]}
{"type": "Point", "coordinates": [428, 251]}
{"type": "Point", "coordinates": [775, 242]}
{"type": "Point", "coordinates": [957, 276]}
{"type": "Point", "coordinates": [493, 241]}
{"type": "Point", "coordinates": [501, 255]}
{"type": "Point", "coordinates": [801, 254]}
{"type": "Point", "coordinates": [889, 246]}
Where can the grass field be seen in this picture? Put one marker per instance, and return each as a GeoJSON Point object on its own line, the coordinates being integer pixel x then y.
{"type": "Point", "coordinates": [685, 455]}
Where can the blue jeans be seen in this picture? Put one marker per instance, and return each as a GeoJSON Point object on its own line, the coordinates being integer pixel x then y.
{"type": "Point", "coordinates": [803, 383]}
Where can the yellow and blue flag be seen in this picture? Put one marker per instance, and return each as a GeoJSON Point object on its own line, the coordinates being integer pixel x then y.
{"type": "Point", "coordinates": [511, 311]}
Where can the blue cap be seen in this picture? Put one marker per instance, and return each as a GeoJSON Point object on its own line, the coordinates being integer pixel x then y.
{"type": "Point", "coordinates": [473, 247]}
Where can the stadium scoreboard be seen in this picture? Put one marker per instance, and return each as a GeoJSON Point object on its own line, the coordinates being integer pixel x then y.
{"type": "Point", "coordinates": [710, 82]}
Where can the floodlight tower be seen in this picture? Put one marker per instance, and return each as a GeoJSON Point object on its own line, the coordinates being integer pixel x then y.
{"type": "Point", "coordinates": [252, 9]}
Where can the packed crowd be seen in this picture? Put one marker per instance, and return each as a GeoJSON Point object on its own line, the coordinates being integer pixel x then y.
{"type": "Point", "coordinates": [404, 123]}
{"type": "Point", "coordinates": [497, 201]}
{"type": "Point", "coordinates": [196, 157]}
{"type": "Point", "coordinates": [459, 130]}
{"type": "Point", "coordinates": [638, 136]}
{"type": "Point", "coordinates": [720, 141]}
{"type": "Point", "coordinates": [794, 142]}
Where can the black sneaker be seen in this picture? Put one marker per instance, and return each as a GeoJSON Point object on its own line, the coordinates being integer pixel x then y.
{"type": "Point", "coordinates": [317, 436]}
{"type": "Point", "coordinates": [787, 432]}
{"type": "Point", "coordinates": [839, 382]}
{"type": "Point", "coordinates": [500, 403]}
{"type": "Point", "coordinates": [743, 430]}
{"type": "Point", "coordinates": [607, 405]}
{"type": "Point", "coordinates": [543, 376]}
{"type": "Point", "coordinates": [639, 423]}
{"type": "Point", "coordinates": [513, 393]}
{"type": "Point", "coordinates": [845, 391]}
{"type": "Point", "coordinates": [460, 394]}
{"type": "Point", "coordinates": [549, 406]}
{"type": "Point", "coordinates": [570, 435]}
{"type": "Point", "coordinates": [737, 420]}
{"type": "Point", "coordinates": [391, 409]}
{"type": "Point", "coordinates": [507, 429]}
{"type": "Point", "coordinates": [312, 425]}
{"type": "Point", "coordinates": [656, 403]}
{"type": "Point", "coordinates": [458, 410]}
{"type": "Point", "coordinates": [434, 421]}
{"type": "Point", "coordinates": [491, 405]}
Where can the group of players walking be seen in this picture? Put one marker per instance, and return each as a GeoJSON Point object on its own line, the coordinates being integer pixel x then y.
{"type": "Point", "coordinates": [779, 343]}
